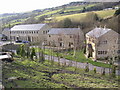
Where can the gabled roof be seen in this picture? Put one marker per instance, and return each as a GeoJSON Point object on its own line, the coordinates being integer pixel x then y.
{"type": "Point", "coordinates": [27, 27]}
{"type": "Point", "coordinates": [97, 32]}
{"type": "Point", "coordinates": [64, 31]}
{"type": "Point", "coordinates": [6, 29]}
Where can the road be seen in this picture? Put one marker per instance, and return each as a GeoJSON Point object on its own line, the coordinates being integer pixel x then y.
{"type": "Point", "coordinates": [0, 74]}
{"type": "Point", "coordinates": [80, 65]}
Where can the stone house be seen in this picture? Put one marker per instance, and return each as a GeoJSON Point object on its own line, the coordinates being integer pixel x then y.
{"type": "Point", "coordinates": [102, 43]}
{"type": "Point", "coordinates": [35, 33]}
{"type": "Point", "coordinates": [6, 32]}
{"type": "Point", "coordinates": [66, 37]}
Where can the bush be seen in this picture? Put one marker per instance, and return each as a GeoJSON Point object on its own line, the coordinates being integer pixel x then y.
{"type": "Point", "coordinates": [32, 54]}
{"type": "Point", "coordinates": [113, 74]}
{"type": "Point", "coordinates": [94, 70]}
{"type": "Point", "coordinates": [117, 12]}
{"type": "Point", "coordinates": [87, 69]}
{"type": "Point", "coordinates": [22, 50]}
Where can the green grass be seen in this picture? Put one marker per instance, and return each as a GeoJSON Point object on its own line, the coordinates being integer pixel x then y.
{"type": "Point", "coordinates": [78, 8]}
{"type": "Point", "coordinates": [38, 75]}
{"type": "Point", "coordinates": [83, 81]}
{"type": "Point", "coordinates": [79, 57]}
{"type": "Point", "coordinates": [80, 16]}
{"type": "Point", "coordinates": [48, 13]}
{"type": "Point", "coordinates": [104, 14]}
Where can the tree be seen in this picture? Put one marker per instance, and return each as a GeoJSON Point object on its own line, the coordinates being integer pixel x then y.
{"type": "Point", "coordinates": [87, 67]}
{"type": "Point", "coordinates": [94, 70]}
{"type": "Point", "coordinates": [91, 16]}
{"type": "Point", "coordinates": [113, 73]}
{"type": "Point", "coordinates": [117, 12]}
{"type": "Point", "coordinates": [32, 54]}
{"type": "Point", "coordinates": [30, 20]}
{"type": "Point", "coordinates": [41, 19]}
{"type": "Point", "coordinates": [22, 50]}
{"type": "Point", "coordinates": [18, 51]}
{"type": "Point", "coordinates": [67, 23]}
{"type": "Point", "coordinates": [27, 52]}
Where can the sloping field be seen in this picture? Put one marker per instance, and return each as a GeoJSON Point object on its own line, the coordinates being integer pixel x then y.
{"type": "Point", "coordinates": [78, 17]}
{"type": "Point", "coordinates": [24, 73]}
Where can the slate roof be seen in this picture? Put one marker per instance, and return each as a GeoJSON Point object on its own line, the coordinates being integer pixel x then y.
{"type": "Point", "coordinates": [64, 31]}
{"type": "Point", "coordinates": [6, 29]}
{"type": "Point", "coordinates": [27, 27]}
{"type": "Point", "coordinates": [97, 32]}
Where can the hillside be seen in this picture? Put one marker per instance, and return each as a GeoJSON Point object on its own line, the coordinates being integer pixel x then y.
{"type": "Point", "coordinates": [70, 10]}
{"type": "Point", "coordinates": [78, 17]}
{"type": "Point", "coordinates": [33, 74]}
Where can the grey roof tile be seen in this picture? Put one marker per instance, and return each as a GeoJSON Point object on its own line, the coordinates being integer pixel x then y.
{"type": "Point", "coordinates": [27, 27]}
{"type": "Point", "coordinates": [97, 32]}
{"type": "Point", "coordinates": [64, 31]}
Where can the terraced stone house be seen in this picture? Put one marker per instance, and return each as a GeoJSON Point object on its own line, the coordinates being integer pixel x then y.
{"type": "Point", "coordinates": [102, 43]}
{"type": "Point", "coordinates": [66, 38]}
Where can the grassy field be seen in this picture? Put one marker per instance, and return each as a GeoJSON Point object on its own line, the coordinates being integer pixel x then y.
{"type": "Point", "coordinates": [78, 17]}
{"type": "Point", "coordinates": [32, 74]}
{"type": "Point", "coordinates": [78, 8]}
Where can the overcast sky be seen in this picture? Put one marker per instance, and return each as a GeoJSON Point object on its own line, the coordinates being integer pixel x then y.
{"type": "Point", "coordinates": [10, 6]}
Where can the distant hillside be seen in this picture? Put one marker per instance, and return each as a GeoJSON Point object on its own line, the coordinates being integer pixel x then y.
{"type": "Point", "coordinates": [48, 14]}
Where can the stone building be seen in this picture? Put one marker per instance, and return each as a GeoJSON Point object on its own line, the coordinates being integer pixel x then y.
{"type": "Point", "coordinates": [102, 43]}
{"type": "Point", "coordinates": [6, 32]}
{"type": "Point", "coordinates": [35, 33]}
{"type": "Point", "coordinates": [66, 37]}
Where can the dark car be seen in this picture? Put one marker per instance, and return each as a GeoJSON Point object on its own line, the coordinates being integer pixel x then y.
{"type": "Point", "coordinates": [3, 39]}
{"type": "Point", "coordinates": [25, 41]}
{"type": "Point", "coordinates": [18, 41]}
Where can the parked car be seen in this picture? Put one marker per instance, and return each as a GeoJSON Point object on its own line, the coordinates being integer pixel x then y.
{"type": "Point", "coordinates": [25, 41]}
{"type": "Point", "coordinates": [3, 39]}
{"type": "Point", "coordinates": [18, 41]}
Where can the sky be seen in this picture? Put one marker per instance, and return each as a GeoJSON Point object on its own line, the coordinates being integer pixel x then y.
{"type": "Point", "coordinates": [15, 6]}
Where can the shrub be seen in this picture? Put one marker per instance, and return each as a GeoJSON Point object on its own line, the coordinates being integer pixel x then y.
{"type": "Point", "coordinates": [22, 50]}
{"type": "Point", "coordinates": [32, 54]}
{"type": "Point", "coordinates": [113, 71]}
{"type": "Point", "coordinates": [94, 70]}
{"type": "Point", "coordinates": [87, 68]}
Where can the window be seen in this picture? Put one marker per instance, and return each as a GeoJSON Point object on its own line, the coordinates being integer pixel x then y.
{"type": "Point", "coordinates": [70, 36]}
{"type": "Point", "coordinates": [43, 32]}
{"type": "Point", "coordinates": [105, 42]}
{"type": "Point", "coordinates": [70, 44]}
{"type": "Point", "coordinates": [36, 31]}
{"type": "Point", "coordinates": [118, 41]}
{"type": "Point", "coordinates": [102, 52]}
{"type": "Point", "coordinates": [59, 39]}
{"type": "Point", "coordinates": [118, 51]}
